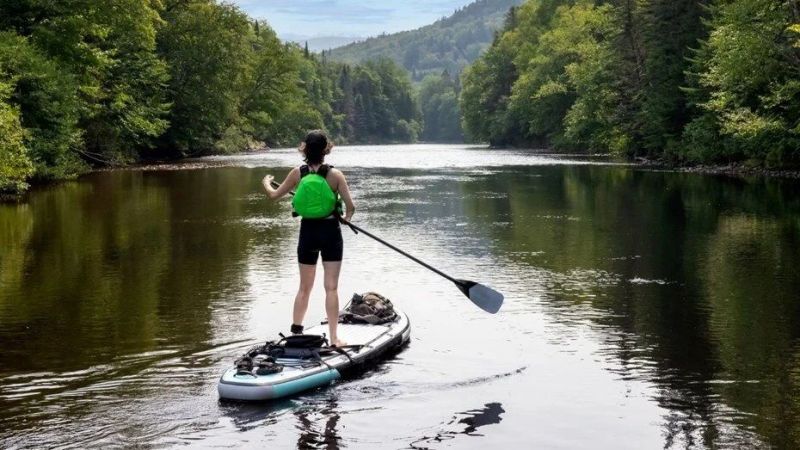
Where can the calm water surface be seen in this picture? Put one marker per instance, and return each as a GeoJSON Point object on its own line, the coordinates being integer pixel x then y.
{"type": "Point", "coordinates": [644, 309]}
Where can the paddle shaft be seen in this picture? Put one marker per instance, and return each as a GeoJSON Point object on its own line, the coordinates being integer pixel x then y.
{"type": "Point", "coordinates": [411, 257]}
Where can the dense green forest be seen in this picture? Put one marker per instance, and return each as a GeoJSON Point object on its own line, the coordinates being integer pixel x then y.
{"type": "Point", "coordinates": [438, 97]}
{"type": "Point", "coordinates": [450, 44]}
{"type": "Point", "coordinates": [683, 80]}
{"type": "Point", "coordinates": [85, 82]}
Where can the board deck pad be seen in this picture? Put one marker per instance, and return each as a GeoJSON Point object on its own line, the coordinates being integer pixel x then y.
{"type": "Point", "coordinates": [375, 341]}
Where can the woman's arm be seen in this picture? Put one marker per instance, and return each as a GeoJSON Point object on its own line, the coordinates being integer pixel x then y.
{"type": "Point", "coordinates": [288, 184]}
{"type": "Point", "coordinates": [344, 191]}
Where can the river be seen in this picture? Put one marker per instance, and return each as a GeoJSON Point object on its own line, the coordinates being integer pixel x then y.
{"type": "Point", "coordinates": [644, 308]}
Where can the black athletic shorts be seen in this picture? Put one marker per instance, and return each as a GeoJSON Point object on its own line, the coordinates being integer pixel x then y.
{"type": "Point", "coordinates": [319, 236]}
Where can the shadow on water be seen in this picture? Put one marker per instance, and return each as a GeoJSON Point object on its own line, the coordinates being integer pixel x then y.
{"type": "Point", "coordinates": [464, 423]}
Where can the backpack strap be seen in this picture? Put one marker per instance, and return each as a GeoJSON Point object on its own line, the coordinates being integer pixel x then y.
{"type": "Point", "coordinates": [323, 170]}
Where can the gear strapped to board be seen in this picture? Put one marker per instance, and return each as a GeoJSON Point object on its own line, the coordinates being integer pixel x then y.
{"type": "Point", "coordinates": [370, 308]}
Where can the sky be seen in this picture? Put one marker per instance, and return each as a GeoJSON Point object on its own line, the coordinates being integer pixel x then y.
{"type": "Point", "coordinates": [352, 18]}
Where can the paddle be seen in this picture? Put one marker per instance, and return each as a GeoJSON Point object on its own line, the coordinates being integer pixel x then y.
{"type": "Point", "coordinates": [482, 296]}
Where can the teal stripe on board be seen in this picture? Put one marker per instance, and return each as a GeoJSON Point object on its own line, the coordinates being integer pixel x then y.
{"type": "Point", "coordinates": [310, 382]}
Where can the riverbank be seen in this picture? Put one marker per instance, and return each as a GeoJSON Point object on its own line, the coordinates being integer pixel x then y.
{"type": "Point", "coordinates": [735, 170]}
{"type": "Point", "coordinates": [740, 170]}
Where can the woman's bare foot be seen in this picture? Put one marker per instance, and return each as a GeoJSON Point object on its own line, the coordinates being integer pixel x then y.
{"type": "Point", "coordinates": [339, 343]}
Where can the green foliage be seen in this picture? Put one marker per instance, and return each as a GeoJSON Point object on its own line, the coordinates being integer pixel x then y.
{"type": "Point", "coordinates": [438, 97]}
{"type": "Point", "coordinates": [108, 49]}
{"type": "Point", "coordinates": [670, 30]}
{"type": "Point", "coordinates": [126, 105]}
{"type": "Point", "coordinates": [234, 84]}
{"type": "Point", "coordinates": [486, 92]}
{"type": "Point", "coordinates": [661, 78]}
{"type": "Point", "coordinates": [88, 82]}
{"type": "Point", "coordinates": [207, 48]}
{"type": "Point", "coordinates": [550, 77]}
{"type": "Point", "coordinates": [450, 44]}
{"type": "Point", "coordinates": [43, 95]}
{"type": "Point", "coordinates": [750, 84]}
{"type": "Point", "coordinates": [15, 166]}
{"type": "Point", "coordinates": [289, 92]}
{"type": "Point", "coordinates": [377, 103]}
{"type": "Point", "coordinates": [319, 81]}
{"type": "Point", "coordinates": [569, 75]}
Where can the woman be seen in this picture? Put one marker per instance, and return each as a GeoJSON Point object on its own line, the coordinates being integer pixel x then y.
{"type": "Point", "coordinates": [317, 235]}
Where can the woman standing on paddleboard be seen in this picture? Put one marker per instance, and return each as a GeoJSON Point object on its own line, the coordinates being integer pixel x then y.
{"type": "Point", "coordinates": [316, 200]}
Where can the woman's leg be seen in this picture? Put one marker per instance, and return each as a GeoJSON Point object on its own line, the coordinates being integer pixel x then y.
{"type": "Point", "coordinates": [332, 269]}
{"type": "Point", "coordinates": [307, 273]}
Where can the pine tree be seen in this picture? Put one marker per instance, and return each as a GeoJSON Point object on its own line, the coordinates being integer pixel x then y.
{"type": "Point", "coordinates": [670, 29]}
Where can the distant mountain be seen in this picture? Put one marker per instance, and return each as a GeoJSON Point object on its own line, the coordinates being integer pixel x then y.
{"type": "Point", "coordinates": [320, 43]}
{"type": "Point", "coordinates": [450, 43]}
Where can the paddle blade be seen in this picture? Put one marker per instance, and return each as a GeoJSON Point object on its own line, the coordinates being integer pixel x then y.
{"type": "Point", "coordinates": [484, 297]}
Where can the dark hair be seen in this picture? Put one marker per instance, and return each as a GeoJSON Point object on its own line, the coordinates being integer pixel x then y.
{"type": "Point", "coordinates": [316, 147]}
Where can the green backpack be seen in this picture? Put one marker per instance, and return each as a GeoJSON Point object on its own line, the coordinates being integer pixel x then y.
{"type": "Point", "coordinates": [314, 198]}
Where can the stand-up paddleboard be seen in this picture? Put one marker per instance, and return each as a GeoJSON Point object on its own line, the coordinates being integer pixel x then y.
{"type": "Point", "coordinates": [274, 371]}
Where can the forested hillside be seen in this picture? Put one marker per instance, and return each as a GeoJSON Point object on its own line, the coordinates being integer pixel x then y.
{"type": "Point", "coordinates": [86, 82]}
{"type": "Point", "coordinates": [435, 55]}
{"type": "Point", "coordinates": [449, 44]}
{"type": "Point", "coordinates": [687, 80]}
